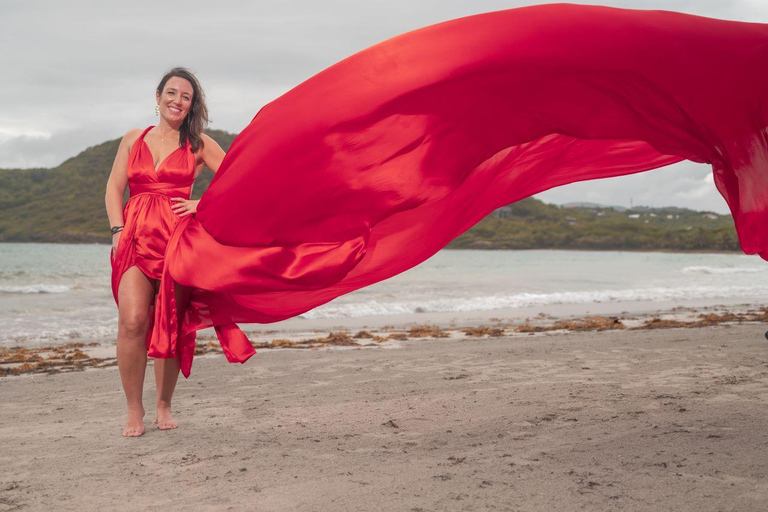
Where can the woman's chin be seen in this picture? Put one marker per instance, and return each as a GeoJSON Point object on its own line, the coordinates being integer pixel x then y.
{"type": "Point", "coordinates": [175, 118]}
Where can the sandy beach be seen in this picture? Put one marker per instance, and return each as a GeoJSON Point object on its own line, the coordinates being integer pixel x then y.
{"type": "Point", "coordinates": [655, 419]}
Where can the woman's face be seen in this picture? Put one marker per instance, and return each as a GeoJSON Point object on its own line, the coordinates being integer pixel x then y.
{"type": "Point", "coordinates": [176, 100]}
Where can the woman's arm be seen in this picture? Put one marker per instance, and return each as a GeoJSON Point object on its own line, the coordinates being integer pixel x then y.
{"type": "Point", "coordinates": [117, 183]}
{"type": "Point", "coordinates": [212, 154]}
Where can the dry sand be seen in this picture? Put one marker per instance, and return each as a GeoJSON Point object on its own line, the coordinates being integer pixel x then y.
{"type": "Point", "coordinates": [672, 419]}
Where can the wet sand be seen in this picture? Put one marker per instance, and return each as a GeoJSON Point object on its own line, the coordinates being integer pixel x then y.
{"type": "Point", "coordinates": [659, 419]}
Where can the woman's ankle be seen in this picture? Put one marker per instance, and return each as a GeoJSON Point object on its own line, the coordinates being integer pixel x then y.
{"type": "Point", "coordinates": [163, 404]}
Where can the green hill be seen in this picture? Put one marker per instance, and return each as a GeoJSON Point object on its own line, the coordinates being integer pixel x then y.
{"type": "Point", "coordinates": [532, 224]}
{"type": "Point", "coordinates": [66, 204]}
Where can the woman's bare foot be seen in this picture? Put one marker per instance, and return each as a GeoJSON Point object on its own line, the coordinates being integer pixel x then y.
{"type": "Point", "coordinates": [135, 425]}
{"type": "Point", "coordinates": [164, 419]}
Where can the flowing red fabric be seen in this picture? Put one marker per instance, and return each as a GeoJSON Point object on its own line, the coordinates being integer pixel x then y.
{"type": "Point", "coordinates": [371, 166]}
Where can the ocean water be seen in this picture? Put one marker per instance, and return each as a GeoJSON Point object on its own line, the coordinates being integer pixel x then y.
{"type": "Point", "coordinates": [58, 293]}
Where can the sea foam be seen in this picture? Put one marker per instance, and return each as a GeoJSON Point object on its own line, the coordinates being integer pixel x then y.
{"type": "Point", "coordinates": [35, 288]}
{"type": "Point", "coordinates": [703, 269]}
{"type": "Point", "coordinates": [520, 300]}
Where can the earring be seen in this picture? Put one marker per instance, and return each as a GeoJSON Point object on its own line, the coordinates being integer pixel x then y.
{"type": "Point", "coordinates": [157, 110]}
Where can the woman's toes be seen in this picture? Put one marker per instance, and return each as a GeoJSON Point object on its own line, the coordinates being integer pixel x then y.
{"type": "Point", "coordinates": [167, 424]}
{"type": "Point", "coordinates": [164, 420]}
{"type": "Point", "coordinates": [133, 432]}
{"type": "Point", "coordinates": [134, 426]}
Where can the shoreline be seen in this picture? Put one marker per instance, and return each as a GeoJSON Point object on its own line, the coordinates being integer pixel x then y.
{"type": "Point", "coordinates": [79, 356]}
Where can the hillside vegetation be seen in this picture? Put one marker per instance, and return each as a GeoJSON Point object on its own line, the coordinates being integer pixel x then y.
{"type": "Point", "coordinates": [66, 204]}
{"type": "Point", "coordinates": [532, 224]}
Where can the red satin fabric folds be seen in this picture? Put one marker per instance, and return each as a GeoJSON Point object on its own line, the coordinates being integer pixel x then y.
{"type": "Point", "coordinates": [371, 166]}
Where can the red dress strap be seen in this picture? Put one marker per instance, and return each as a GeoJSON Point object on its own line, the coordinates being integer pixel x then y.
{"type": "Point", "coordinates": [141, 137]}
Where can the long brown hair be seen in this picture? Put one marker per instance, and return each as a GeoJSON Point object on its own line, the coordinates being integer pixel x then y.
{"type": "Point", "coordinates": [197, 117]}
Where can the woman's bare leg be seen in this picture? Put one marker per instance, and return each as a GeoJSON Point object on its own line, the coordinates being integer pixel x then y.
{"type": "Point", "coordinates": [134, 299]}
{"type": "Point", "coordinates": [166, 375]}
{"type": "Point", "coordinates": [167, 372]}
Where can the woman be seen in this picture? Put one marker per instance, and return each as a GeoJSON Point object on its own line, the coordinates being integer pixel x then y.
{"type": "Point", "coordinates": [159, 164]}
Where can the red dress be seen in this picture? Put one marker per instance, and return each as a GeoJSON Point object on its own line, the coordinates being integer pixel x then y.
{"type": "Point", "coordinates": [147, 215]}
{"type": "Point", "coordinates": [373, 165]}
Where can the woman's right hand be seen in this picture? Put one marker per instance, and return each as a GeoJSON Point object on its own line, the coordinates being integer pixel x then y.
{"type": "Point", "coordinates": [115, 241]}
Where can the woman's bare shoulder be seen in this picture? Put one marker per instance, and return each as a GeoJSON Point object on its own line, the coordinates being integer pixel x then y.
{"type": "Point", "coordinates": [207, 138]}
{"type": "Point", "coordinates": [132, 134]}
{"type": "Point", "coordinates": [130, 137]}
{"type": "Point", "coordinates": [209, 141]}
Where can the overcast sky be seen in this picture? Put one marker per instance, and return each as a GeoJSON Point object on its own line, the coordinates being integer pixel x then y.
{"type": "Point", "coordinates": [77, 73]}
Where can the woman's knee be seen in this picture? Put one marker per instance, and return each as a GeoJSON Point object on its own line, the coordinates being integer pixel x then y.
{"type": "Point", "coordinates": [133, 323]}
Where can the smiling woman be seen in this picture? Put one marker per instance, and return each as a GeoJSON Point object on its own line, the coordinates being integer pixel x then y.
{"type": "Point", "coordinates": [159, 164]}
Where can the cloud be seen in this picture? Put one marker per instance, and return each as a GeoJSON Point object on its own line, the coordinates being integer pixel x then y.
{"type": "Point", "coordinates": [83, 72]}
{"type": "Point", "coordinates": [685, 184]}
